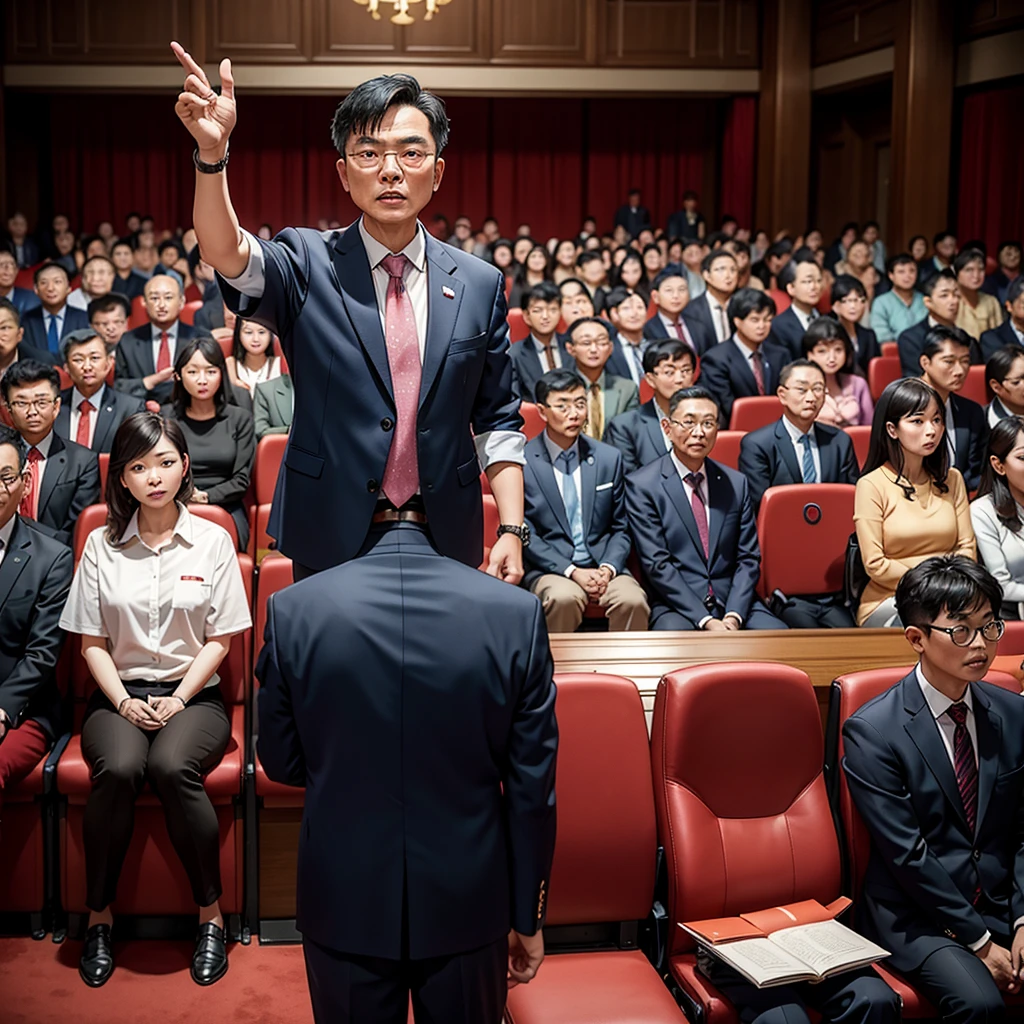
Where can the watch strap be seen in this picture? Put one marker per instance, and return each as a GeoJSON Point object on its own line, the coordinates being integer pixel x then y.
{"type": "Point", "coordinates": [205, 168]}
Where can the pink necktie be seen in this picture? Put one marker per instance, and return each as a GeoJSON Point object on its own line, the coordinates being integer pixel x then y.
{"type": "Point", "coordinates": [402, 475]}
{"type": "Point", "coordinates": [700, 513]}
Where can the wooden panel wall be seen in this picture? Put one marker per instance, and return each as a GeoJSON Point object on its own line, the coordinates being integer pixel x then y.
{"type": "Point", "coordinates": [844, 28]}
{"type": "Point", "coordinates": [976, 18]}
{"type": "Point", "coordinates": [619, 33]}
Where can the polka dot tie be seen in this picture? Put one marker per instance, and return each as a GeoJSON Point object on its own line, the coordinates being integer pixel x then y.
{"type": "Point", "coordinates": [401, 474]}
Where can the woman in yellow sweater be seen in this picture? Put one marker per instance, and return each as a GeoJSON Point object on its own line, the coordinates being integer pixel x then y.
{"type": "Point", "coordinates": [979, 312]}
{"type": "Point", "coordinates": [910, 504]}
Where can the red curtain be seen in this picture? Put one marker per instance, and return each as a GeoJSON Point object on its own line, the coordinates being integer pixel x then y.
{"type": "Point", "coordinates": [737, 164]}
{"type": "Point", "coordinates": [990, 200]}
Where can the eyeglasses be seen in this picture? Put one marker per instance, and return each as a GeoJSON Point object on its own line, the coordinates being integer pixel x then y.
{"type": "Point", "coordinates": [80, 361]}
{"type": "Point", "coordinates": [564, 408]}
{"type": "Point", "coordinates": [591, 343]}
{"type": "Point", "coordinates": [669, 372]}
{"type": "Point", "coordinates": [10, 482]}
{"type": "Point", "coordinates": [691, 426]}
{"type": "Point", "coordinates": [40, 404]}
{"type": "Point", "coordinates": [410, 158]}
{"type": "Point", "coordinates": [963, 636]}
{"type": "Point", "coordinates": [801, 390]}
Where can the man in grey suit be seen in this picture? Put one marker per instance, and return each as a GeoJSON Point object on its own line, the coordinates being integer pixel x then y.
{"type": "Point", "coordinates": [273, 405]}
{"type": "Point", "coordinates": [589, 342]}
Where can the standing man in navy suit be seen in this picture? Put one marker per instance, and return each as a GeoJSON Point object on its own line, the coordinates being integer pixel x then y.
{"type": "Point", "coordinates": [935, 767]}
{"type": "Point", "coordinates": [53, 320]}
{"type": "Point", "coordinates": [381, 431]}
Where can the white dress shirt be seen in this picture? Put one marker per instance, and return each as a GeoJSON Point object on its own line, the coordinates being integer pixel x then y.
{"type": "Point", "coordinates": [492, 445]}
{"type": "Point", "coordinates": [804, 318]}
{"type": "Point", "coordinates": [77, 398]}
{"type": "Point", "coordinates": [172, 341]}
{"type": "Point", "coordinates": [670, 328]}
{"type": "Point", "coordinates": [5, 536]}
{"type": "Point", "coordinates": [44, 450]}
{"type": "Point", "coordinates": [719, 318]}
{"type": "Point", "coordinates": [798, 446]}
{"type": "Point", "coordinates": [631, 351]}
{"type": "Point", "coordinates": [47, 317]}
{"type": "Point", "coordinates": [950, 431]}
{"type": "Point", "coordinates": [553, 348]}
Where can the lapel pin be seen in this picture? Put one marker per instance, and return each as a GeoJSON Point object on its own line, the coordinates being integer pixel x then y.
{"type": "Point", "coordinates": [448, 293]}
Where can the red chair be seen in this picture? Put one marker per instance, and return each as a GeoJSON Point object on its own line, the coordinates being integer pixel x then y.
{"type": "Point", "coordinates": [189, 310]}
{"type": "Point", "coordinates": [532, 422]}
{"type": "Point", "coordinates": [890, 348]}
{"type": "Point", "coordinates": [781, 299]}
{"type": "Point", "coordinates": [861, 438]}
{"type": "Point", "coordinates": [517, 329]}
{"type": "Point", "coordinates": [25, 278]}
{"type": "Point", "coordinates": [65, 381]}
{"type": "Point", "coordinates": [815, 520]}
{"type": "Point", "coordinates": [104, 461]}
{"type": "Point", "coordinates": [753, 413]}
{"type": "Point", "coordinates": [603, 874]}
{"type": "Point", "coordinates": [491, 523]}
{"type": "Point", "coordinates": [976, 387]}
{"type": "Point", "coordinates": [269, 455]}
{"type": "Point", "coordinates": [727, 448]}
{"type": "Point", "coordinates": [646, 391]}
{"type": "Point", "coordinates": [138, 317]}
{"type": "Point", "coordinates": [227, 345]}
{"type": "Point", "coordinates": [882, 371]}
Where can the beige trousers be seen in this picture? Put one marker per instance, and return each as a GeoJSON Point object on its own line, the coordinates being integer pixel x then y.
{"type": "Point", "coordinates": [564, 602]}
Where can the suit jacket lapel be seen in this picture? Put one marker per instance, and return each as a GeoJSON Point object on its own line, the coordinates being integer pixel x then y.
{"type": "Point", "coordinates": [989, 729]}
{"type": "Point", "coordinates": [63, 420]}
{"type": "Point", "coordinates": [15, 559]}
{"type": "Point", "coordinates": [785, 446]}
{"type": "Point", "coordinates": [546, 476]}
{"type": "Point", "coordinates": [283, 401]}
{"type": "Point", "coordinates": [742, 364]}
{"type": "Point", "coordinates": [677, 494]}
{"type": "Point", "coordinates": [55, 463]}
{"type": "Point", "coordinates": [104, 418]}
{"type": "Point", "coordinates": [828, 454]}
{"type": "Point", "coordinates": [588, 483]}
{"type": "Point", "coordinates": [145, 342]}
{"type": "Point", "coordinates": [442, 311]}
{"type": "Point", "coordinates": [719, 504]}
{"type": "Point", "coordinates": [652, 423]}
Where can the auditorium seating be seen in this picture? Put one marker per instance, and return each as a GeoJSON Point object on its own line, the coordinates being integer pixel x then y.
{"type": "Point", "coordinates": [727, 448]}
{"type": "Point", "coordinates": [532, 423]}
{"type": "Point", "coordinates": [889, 348]}
{"type": "Point", "coordinates": [104, 464]}
{"type": "Point", "coordinates": [975, 388]}
{"type": "Point", "coordinates": [753, 413]}
{"type": "Point", "coordinates": [861, 438]}
{"type": "Point", "coordinates": [517, 329]}
{"type": "Point", "coordinates": [646, 391]}
{"type": "Point", "coordinates": [269, 454]}
{"type": "Point", "coordinates": [882, 370]}
{"type": "Point", "coordinates": [138, 316]}
{"type": "Point", "coordinates": [602, 879]}
{"type": "Point", "coordinates": [189, 310]}
{"type": "Point", "coordinates": [781, 299]}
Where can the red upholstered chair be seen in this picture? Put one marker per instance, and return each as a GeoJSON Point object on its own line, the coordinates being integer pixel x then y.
{"type": "Point", "coordinates": [890, 348]}
{"type": "Point", "coordinates": [781, 299]}
{"type": "Point", "coordinates": [532, 423]}
{"type": "Point", "coordinates": [861, 438]}
{"type": "Point", "coordinates": [227, 345]}
{"type": "Point", "coordinates": [743, 814]}
{"type": "Point", "coordinates": [517, 329]}
{"type": "Point", "coordinates": [138, 316]}
{"type": "Point", "coordinates": [975, 387]}
{"type": "Point", "coordinates": [189, 310]}
{"type": "Point", "coordinates": [104, 461]}
{"type": "Point", "coordinates": [24, 277]}
{"type": "Point", "coordinates": [1013, 639]}
{"type": "Point", "coordinates": [753, 413]}
{"type": "Point", "coordinates": [269, 455]}
{"type": "Point", "coordinates": [883, 370]}
{"type": "Point", "coordinates": [646, 391]}
{"type": "Point", "coordinates": [604, 868]}
{"type": "Point", "coordinates": [815, 522]}
{"type": "Point", "coordinates": [727, 448]}
{"type": "Point", "coordinates": [65, 381]}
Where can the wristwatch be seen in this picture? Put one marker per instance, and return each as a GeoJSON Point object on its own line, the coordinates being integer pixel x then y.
{"type": "Point", "coordinates": [522, 532]}
{"type": "Point", "coordinates": [216, 168]}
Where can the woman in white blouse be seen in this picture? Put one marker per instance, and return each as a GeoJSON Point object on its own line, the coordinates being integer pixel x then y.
{"type": "Point", "coordinates": [997, 514]}
{"type": "Point", "coordinates": [156, 598]}
{"type": "Point", "coordinates": [253, 358]}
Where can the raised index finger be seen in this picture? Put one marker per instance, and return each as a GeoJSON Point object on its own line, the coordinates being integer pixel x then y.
{"type": "Point", "coordinates": [186, 61]}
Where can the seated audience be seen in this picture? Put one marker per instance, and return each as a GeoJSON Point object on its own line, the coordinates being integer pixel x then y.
{"type": "Point", "coordinates": [979, 312]}
{"type": "Point", "coordinates": [97, 281]}
{"type": "Point", "coordinates": [776, 256]}
{"type": "Point", "coordinates": [12, 346]}
{"type": "Point", "coordinates": [21, 243]}
{"type": "Point", "coordinates": [693, 529]}
{"type": "Point", "coordinates": [942, 300]}
{"type": "Point", "coordinates": [575, 302]}
{"type": "Point", "coordinates": [847, 395]}
{"type": "Point", "coordinates": [918, 248]}
{"type": "Point", "coordinates": [575, 507]}
{"type": "Point", "coordinates": [849, 301]}
{"type": "Point", "coordinates": [127, 280]}
{"type": "Point", "coordinates": [692, 259]}
{"type": "Point", "coordinates": [859, 263]}
{"type": "Point", "coordinates": [871, 238]}
{"type": "Point", "coordinates": [532, 271]}
{"type": "Point", "coordinates": [108, 317]}
{"type": "Point", "coordinates": [630, 274]}
{"type": "Point", "coordinates": [748, 364]}
{"type": "Point", "coordinates": [944, 244]}
{"type": "Point", "coordinates": [838, 249]}
{"type": "Point", "coordinates": [65, 475]}
{"type": "Point", "coordinates": [741, 250]}
{"type": "Point", "coordinates": [541, 351]}
{"type": "Point", "coordinates": [35, 573]}
{"type": "Point", "coordinates": [641, 435]}
{"type": "Point", "coordinates": [273, 406]}
{"type": "Point", "coordinates": [254, 357]}
{"type": "Point", "coordinates": [146, 356]}
{"type": "Point", "coordinates": [591, 271]}
{"type": "Point", "coordinates": [720, 274]}
{"type": "Point", "coordinates": [220, 436]}
{"type": "Point", "coordinates": [671, 295]}
{"type": "Point", "coordinates": [564, 260]}
{"type": "Point", "coordinates": [23, 299]}
{"type": "Point", "coordinates": [628, 313]}
{"type": "Point", "coordinates": [1004, 374]}
{"type": "Point", "coordinates": [687, 222]}
{"type": "Point", "coordinates": [1007, 271]}
{"type": "Point", "coordinates": [53, 319]}
{"type": "Point", "coordinates": [802, 280]}
{"type": "Point", "coordinates": [910, 504]}
{"type": "Point", "coordinates": [996, 514]}
{"type": "Point", "coordinates": [156, 599]}
{"type": "Point", "coordinates": [1011, 330]}
{"type": "Point", "coordinates": [90, 411]}
{"type": "Point", "coordinates": [902, 305]}
{"type": "Point", "coordinates": [589, 344]}
{"type": "Point", "coordinates": [933, 766]}
{"type": "Point", "coordinates": [632, 215]}
{"type": "Point", "coordinates": [654, 263]}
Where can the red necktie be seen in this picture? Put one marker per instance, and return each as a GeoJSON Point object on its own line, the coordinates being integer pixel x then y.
{"type": "Point", "coordinates": [755, 365]}
{"type": "Point", "coordinates": [963, 763]}
{"type": "Point", "coordinates": [402, 474]}
{"type": "Point", "coordinates": [29, 506]}
{"type": "Point", "coordinates": [84, 420]}
{"type": "Point", "coordinates": [163, 359]}
{"type": "Point", "coordinates": [678, 328]}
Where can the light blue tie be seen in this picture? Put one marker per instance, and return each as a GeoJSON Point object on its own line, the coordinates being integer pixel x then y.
{"type": "Point", "coordinates": [573, 511]}
{"type": "Point", "coordinates": [810, 473]}
{"type": "Point", "coordinates": [53, 336]}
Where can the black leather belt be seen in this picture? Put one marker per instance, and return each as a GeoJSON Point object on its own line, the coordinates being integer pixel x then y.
{"type": "Point", "coordinates": [399, 515]}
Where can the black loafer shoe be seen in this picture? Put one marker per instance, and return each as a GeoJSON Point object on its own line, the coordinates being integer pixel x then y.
{"type": "Point", "coordinates": [210, 960]}
{"type": "Point", "coordinates": [97, 962]}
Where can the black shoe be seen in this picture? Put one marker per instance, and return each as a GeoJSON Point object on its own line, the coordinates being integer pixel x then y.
{"type": "Point", "coordinates": [210, 960]}
{"type": "Point", "coordinates": [97, 962]}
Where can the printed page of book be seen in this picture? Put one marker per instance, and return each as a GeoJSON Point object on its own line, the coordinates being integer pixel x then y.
{"type": "Point", "coordinates": [828, 947]}
{"type": "Point", "coordinates": [762, 962]}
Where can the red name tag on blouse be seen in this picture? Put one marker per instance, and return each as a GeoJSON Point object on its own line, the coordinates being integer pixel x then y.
{"type": "Point", "coordinates": [196, 579]}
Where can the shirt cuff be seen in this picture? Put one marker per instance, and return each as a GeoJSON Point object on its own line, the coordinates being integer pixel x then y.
{"type": "Point", "coordinates": [253, 279]}
{"type": "Point", "coordinates": [570, 569]}
{"type": "Point", "coordinates": [500, 446]}
{"type": "Point", "coordinates": [734, 615]}
{"type": "Point", "coordinates": [707, 618]}
{"type": "Point", "coordinates": [1018, 923]}
{"type": "Point", "coordinates": [975, 946]}
{"type": "Point", "coordinates": [611, 568]}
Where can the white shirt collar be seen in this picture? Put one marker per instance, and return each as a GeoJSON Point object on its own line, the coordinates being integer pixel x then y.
{"type": "Point", "coordinates": [182, 528]}
{"type": "Point", "coordinates": [795, 434]}
{"type": "Point", "coordinates": [44, 445]}
{"type": "Point", "coordinates": [539, 345]}
{"type": "Point", "coordinates": [804, 318]}
{"type": "Point", "coordinates": [554, 450]}
{"type": "Point", "coordinates": [77, 398]}
{"type": "Point", "coordinates": [683, 471]}
{"type": "Point", "coordinates": [172, 331]}
{"type": "Point", "coordinates": [1020, 334]}
{"type": "Point", "coordinates": [938, 703]}
{"type": "Point", "coordinates": [668, 321]}
{"type": "Point", "coordinates": [59, 314]}
{"type": "Point", "coordinates": [415, 252]}
{"type": "Point", "coordinates": [5, 532]}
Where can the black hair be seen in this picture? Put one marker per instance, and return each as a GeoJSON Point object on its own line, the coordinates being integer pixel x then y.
{"type": "Point", "coordinates": [585, 257]}
{"type": "Point", "coordinates": [715, 254]}
{"type": "Point", "coordinates": [668, 272]}
{"type": "Point", "coordinates": [667, 351]}
{"type": "Point", "coordinates": [824, 328]}
{"type": "Point", "coordinates": [727, 218]}
{"type": "Point", "coordinates": [87, 240]}
{"type": "Point", "coordinates": [1001, 362]}
{"type": "Point", "coordinates": [715, 239]}
{"type": "Point", "coordinates": [521, 271]}
{"type": "Point", "coordinates": [212, 353]}
{"type": "Point", "coordinates": [75, 339]}
{"type": "Point", "coordinates": [107, 303]}
{"type": "Point", "coordinates": [632, 256]}
{"type": "Point", "coordinates": [787, 275]}
{"type": "Point", "coordinates": [101, 257]}
{"type": "Point", "coordinates": [556, 380]}
{"type": "Point", "coordinates": [965, 257]}
{"type": "Point", "coordinates": [1008, 243]}
{"type": "Point", "coordinates": [238, 352]}
{"type": "Point", "coordinates": [1016, 289]}
{"type": "Point", "coordinates": [938, 336]}
{"type": "Point", "coordinates": [122, 241]}
{"type": "Point", "coordinates": [688, 395]}
{"type": "Point", "coordinates": [910, 244]}
{"type": "Point", "coordinates": [976, 243]}
{"type": "Point", "coordinates": [798, 364]}
{"type": "Point", "coordinates": [546, 291]}
{"type": "Point", "coordinates": [138, 435]}
{"type": "Point", "coordinates": [783, 247]}
{"type": "Point", "coordinates": [953, 584]}
{"type": "Point", "coordinates": [617, 296]}
{"type": "Point", "coordinates": [850, 225]}
{"type": "Point", "coordinates": [587, 320]}
{"type": "Point", "coordinates": [746, 301]}
{"type": "Point", "coordinates": [6, 306]}
{"type": "Point", "coordinates": [1002, 440]}
{"type": "Point", "coordinates": [43, 267]}
{"type": "Point", "coordinates": [364, 108]}
{"type": "Point", "coordinates": [871, 224]}
{"type": "Point", "coordinates": [938, 237]}
{"type": "Point", "coordinates": [929, 284]}
{"type": "Point", "coordinates": [905, 397]}
{"type": "Point", "coordinates": [847, 284]}
{"type": "Point", "coordinates": [171, 243]}
{"type": "Point", "coordinates": [689, 194]}
{"type": "Point", "coordinates": [29, 371]}
{"type": "Point", "coordinates": [8, 435]}
{"type": "Point", "coordinates": [899, 260]}
{"type": "Point", "coordinates": [739, 245]}
{"type": "Point", "coordinates": [572, 280]}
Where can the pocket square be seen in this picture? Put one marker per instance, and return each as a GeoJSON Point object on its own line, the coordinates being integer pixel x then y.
{"type": "Point", "coordinates": [603, 487]}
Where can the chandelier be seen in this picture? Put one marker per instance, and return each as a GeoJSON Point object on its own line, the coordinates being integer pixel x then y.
{"type": "Point", "coordinates": [401, 8]}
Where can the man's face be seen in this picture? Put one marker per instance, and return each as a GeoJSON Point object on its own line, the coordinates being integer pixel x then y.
{"type": "Point", "coordinates": [489, 227]}
{"type": "Point", "coordinates": [645, 237]}
{"type": "Point", "coordinates": [17, 225]}
{"type": "Point", "coordinates": [1016, 310]}
{"type": "Point", "coordinates": [8, 271]}
{"type": "Point", "coordinates": [967, 664]}
{"type": "Point", "coordinates": [754, 328]}
{"type": "Point", "coordinates": [630, 315]}
{"type": "Point", "coordinates": [52, 287]}
{"type": "Point", "coordinates": [944, 301]}
{"type": "Point", "coordinates": [14, 483]}
{"type": "Point", "coordinates": [33, 408]}
{"type": "Point", "coordinates": [806, 286]}
{"type": "Point", "coordinates": [590, 346]}
{"type": "Point", "coordinates": [634, 199]}
{"type": "Point", "coordinates": [10, 334]}
{"type": "Point", "coordinates": [110, 326]}
{"type": "Point", "coordinates": [670, 375]}
{"type": "Point", "coordinates": [693, 429]}
{"type": "Point", "coordinates": [672, 296]}
{"type": "Point", "coordinates": [947, 369]}
{"type": "Point", "coordinates": [65, 242]}
{"type": "Point", "coordinates": [463, 228]}
{"type": "Point", "coordinates": [904, 276]}
{"type": "Point", "coordinates": [392, 173]}
{"type": "Point", "coordinates": [566, 411]}
{"type": "Point", "coordinates": [169, 256]}
{"type": "Point", "coordinates": [123, 257]}
{"type": "Point", "coordinates": [693, 255]}
{"type": "Point", "coordinates": [946, 248]}
{"type": "Point", "coordinates": [163, 300]}
{"type": "Point", "coordinates": [542, 317]}
{"type": "Point", "coordinates": [98, 278]}
{"type": "Point", "coordinates": [132, 223]}
{"type": "Point", "coordinates": [88, 365]}
{"type": "Point", "coordinates": [592, 272]}
{"type": "Point", "coordinates": [871, 234]}
{"type": "Point", "coordinates": [803, 394]}
{"type": "Point", "coordinates": [1009, 258]}
{"type": "Point", "coordinates": [722, 274]}
{"type": "Point", "coordinates": [575, 303]}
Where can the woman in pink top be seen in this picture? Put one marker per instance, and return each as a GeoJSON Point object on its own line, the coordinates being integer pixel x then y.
{"type": "Point", "coordinates": [847, 398]}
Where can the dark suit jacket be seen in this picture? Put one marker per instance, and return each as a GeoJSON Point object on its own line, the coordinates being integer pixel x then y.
{"type": "Point", "coordinates": [669, 548]}
{"type": "Point", "coordinates": [971, 430]}
{"type": "Point", "coordinates": [41, 355]}
{"type": "Point", "coordinates": [788, 333]}
{"type": "Point", "coordinates": [603, 501]}
{"type": "Point", "coordinates": [678, 225]}
{"type": "Point", "coordinates": [29, 249]}
{"type": "Point", "coordinates": [727, 375]}
{"type": "Point", "coordinates": [655, 330]}
{"type": "Point", "coordinates": [116, 408]}
{"type": "Point", "coordinates": [35, 331]}
{"type": "Point", "coordinates": [999, 337]}
{"type": "Point", "coordinates": [699, 319]}
{"type": "Point", "coordinates": [210, 315]}
{"type": "Point", "coordinates": [633, 220]}
{"type": "Point", "coordinates": [319, 300]}
{"type": "Point", "coordinates": [23, 299]}
{"type": "Point", "coordinates": [867, 347]}
{"type": "Point", "coordinates": [272, 406]}
{"type": "Point", "coordinates": [134, 361]}
{"type": "Point", "coordinates": [911, 345]}
{"type": "Point", "coordinates": [767, 458]}
{"type": "Point", "coordinates": [620, 363]}
{"type": "Point", "coordinates": [131, 287]}
{"type": "Point", "coordinates": [925, 865]}
{"type": "Point", "coordinates": [527, 367]}
{"type": "Point", "coordinates": [35, 576]}
{"type": "Point", "coordinates": [71, 482]}
{"type": "Point", "coordinates": [459, 809]}
{"type": "Point", "coordinates": [638, 436]}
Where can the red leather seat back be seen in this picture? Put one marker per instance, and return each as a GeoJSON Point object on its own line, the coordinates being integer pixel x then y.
{"type": "Point", "coordinates": [727, 448]}
{"type": "Point", "coordinates": [138, 315]}
{"type": "Point", "coordinates": [532, 423]}
{"type": "Point", "coordinates": [816, 521]}
{"type": "Point", "coordinates": [753, 413]}
{"type": "Point", "coordinates": [104, 463]}
{"type": "Point", "coordinates": [883, 370]}
{"type": "Point", "coordinates": [889, 348]}
{"type": "Point", "coordinates": [607, 840]}
{"type": "Point", "coordinates": [743, 814]}
{"type": "Point", "coordinates": [269, 454]}
{"type": "Point", "coordinates": [781, 299]}
{"type": "Point", "coordinates": [646, 391]}
{"type": "Point", "coordinates": [517, 329]}
{"type": "Point", "coordinates": [975, 387]}
{"type": "Point", "coordinates": [189, 310]}
{"type": "Point", "coordinates": [1013, 639]}
{"type": "Point", "coordinates": [861, 438]}
{"type": "Point", "coordinates": [275, 575]}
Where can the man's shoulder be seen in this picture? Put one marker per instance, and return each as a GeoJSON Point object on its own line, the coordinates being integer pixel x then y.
{"type": "Point", "coordinates": [35, 313]}
{"type": "Point", "coordinates": [43, 545]}
{"type": "Point", "coordinates": [722, 352]}
{"type": "Point", "coordinates": [735, 478]}
{"type": "Point", "coordinates": [630, 420]}
{"type": "Point", "coordinates": [466, 263]}
{"type": "Point", "coordinates": [601, 451]}
{"type": "Point", "coordinates": [914, 330]}
{"type": "Point", "coordinates": [763, 437]}
{"type": "Point", "coordinates": [646, 477]}
{"type": "Point", "coordinates": [827, 434]}
{"type": "Point", "coordinates": [1009, 705]}
{"type": "Point", "coordinates": [78, 455]}
{"type": "Point", "coordinates": [880, 712]}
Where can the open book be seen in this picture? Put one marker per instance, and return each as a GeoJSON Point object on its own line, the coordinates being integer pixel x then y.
{"type": "Point", "coordinates": [798, 942]}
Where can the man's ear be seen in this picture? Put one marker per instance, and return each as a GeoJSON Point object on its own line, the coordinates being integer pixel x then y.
{"type": "Point", "coordinates": [342, 168]}
{"type": "Point", "coordinates": [915, 637]}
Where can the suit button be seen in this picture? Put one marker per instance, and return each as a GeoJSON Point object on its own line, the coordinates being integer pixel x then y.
{"type": "Point", "coordinates": [976, 854]}
{"type": "Point", "coordinates": [386, 424]}
{"type": "Point", "coordinates": [430, 487]}
{"type": "Point", "coordinates": [372, 486]}
{"type": "Point", "coordinates": [425, 431]}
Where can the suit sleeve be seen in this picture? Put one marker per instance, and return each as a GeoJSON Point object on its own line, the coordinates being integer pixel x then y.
{"type": "Point", "coordinates": [277, 743]}
{"type": "Point", "coordinates": [529, 786]}
{"type": "Point", "coordinates": [849, 470]}
{"type": "Point", "coordinates": [496, 406]}
{"type": "Point", "coordinates": [714, 375]}
{"type": "Point", "coordinates": [87, 491]}
{"type": "Point", "coordinates": [619, 544]}
{"type": "Point", "coordinates": [978, 450]}
{"type": "Point", "coordinates": [755, 465]}
{"type": "Point", "coordinates": [234, 488]}
{"type": "Point", "coordinates": [748, 561]}
{"type": "Point", "coordinates": [45, 639]}
{"type": "Point", "coordinates": [123, 379]}
{"type": "Point", "coordinates": [868, 516]}
{"type": "Point", "coordinates": [617, 435]}
{"type": "Point", "coordinates": [878, 789]}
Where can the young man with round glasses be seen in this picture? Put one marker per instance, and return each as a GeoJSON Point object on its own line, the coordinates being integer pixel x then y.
{"type": "Point", "coordinates": [935, 767]}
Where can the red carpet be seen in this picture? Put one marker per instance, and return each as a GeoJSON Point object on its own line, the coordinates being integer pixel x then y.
{"type": "Point", "coordinates": [39, 984]}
